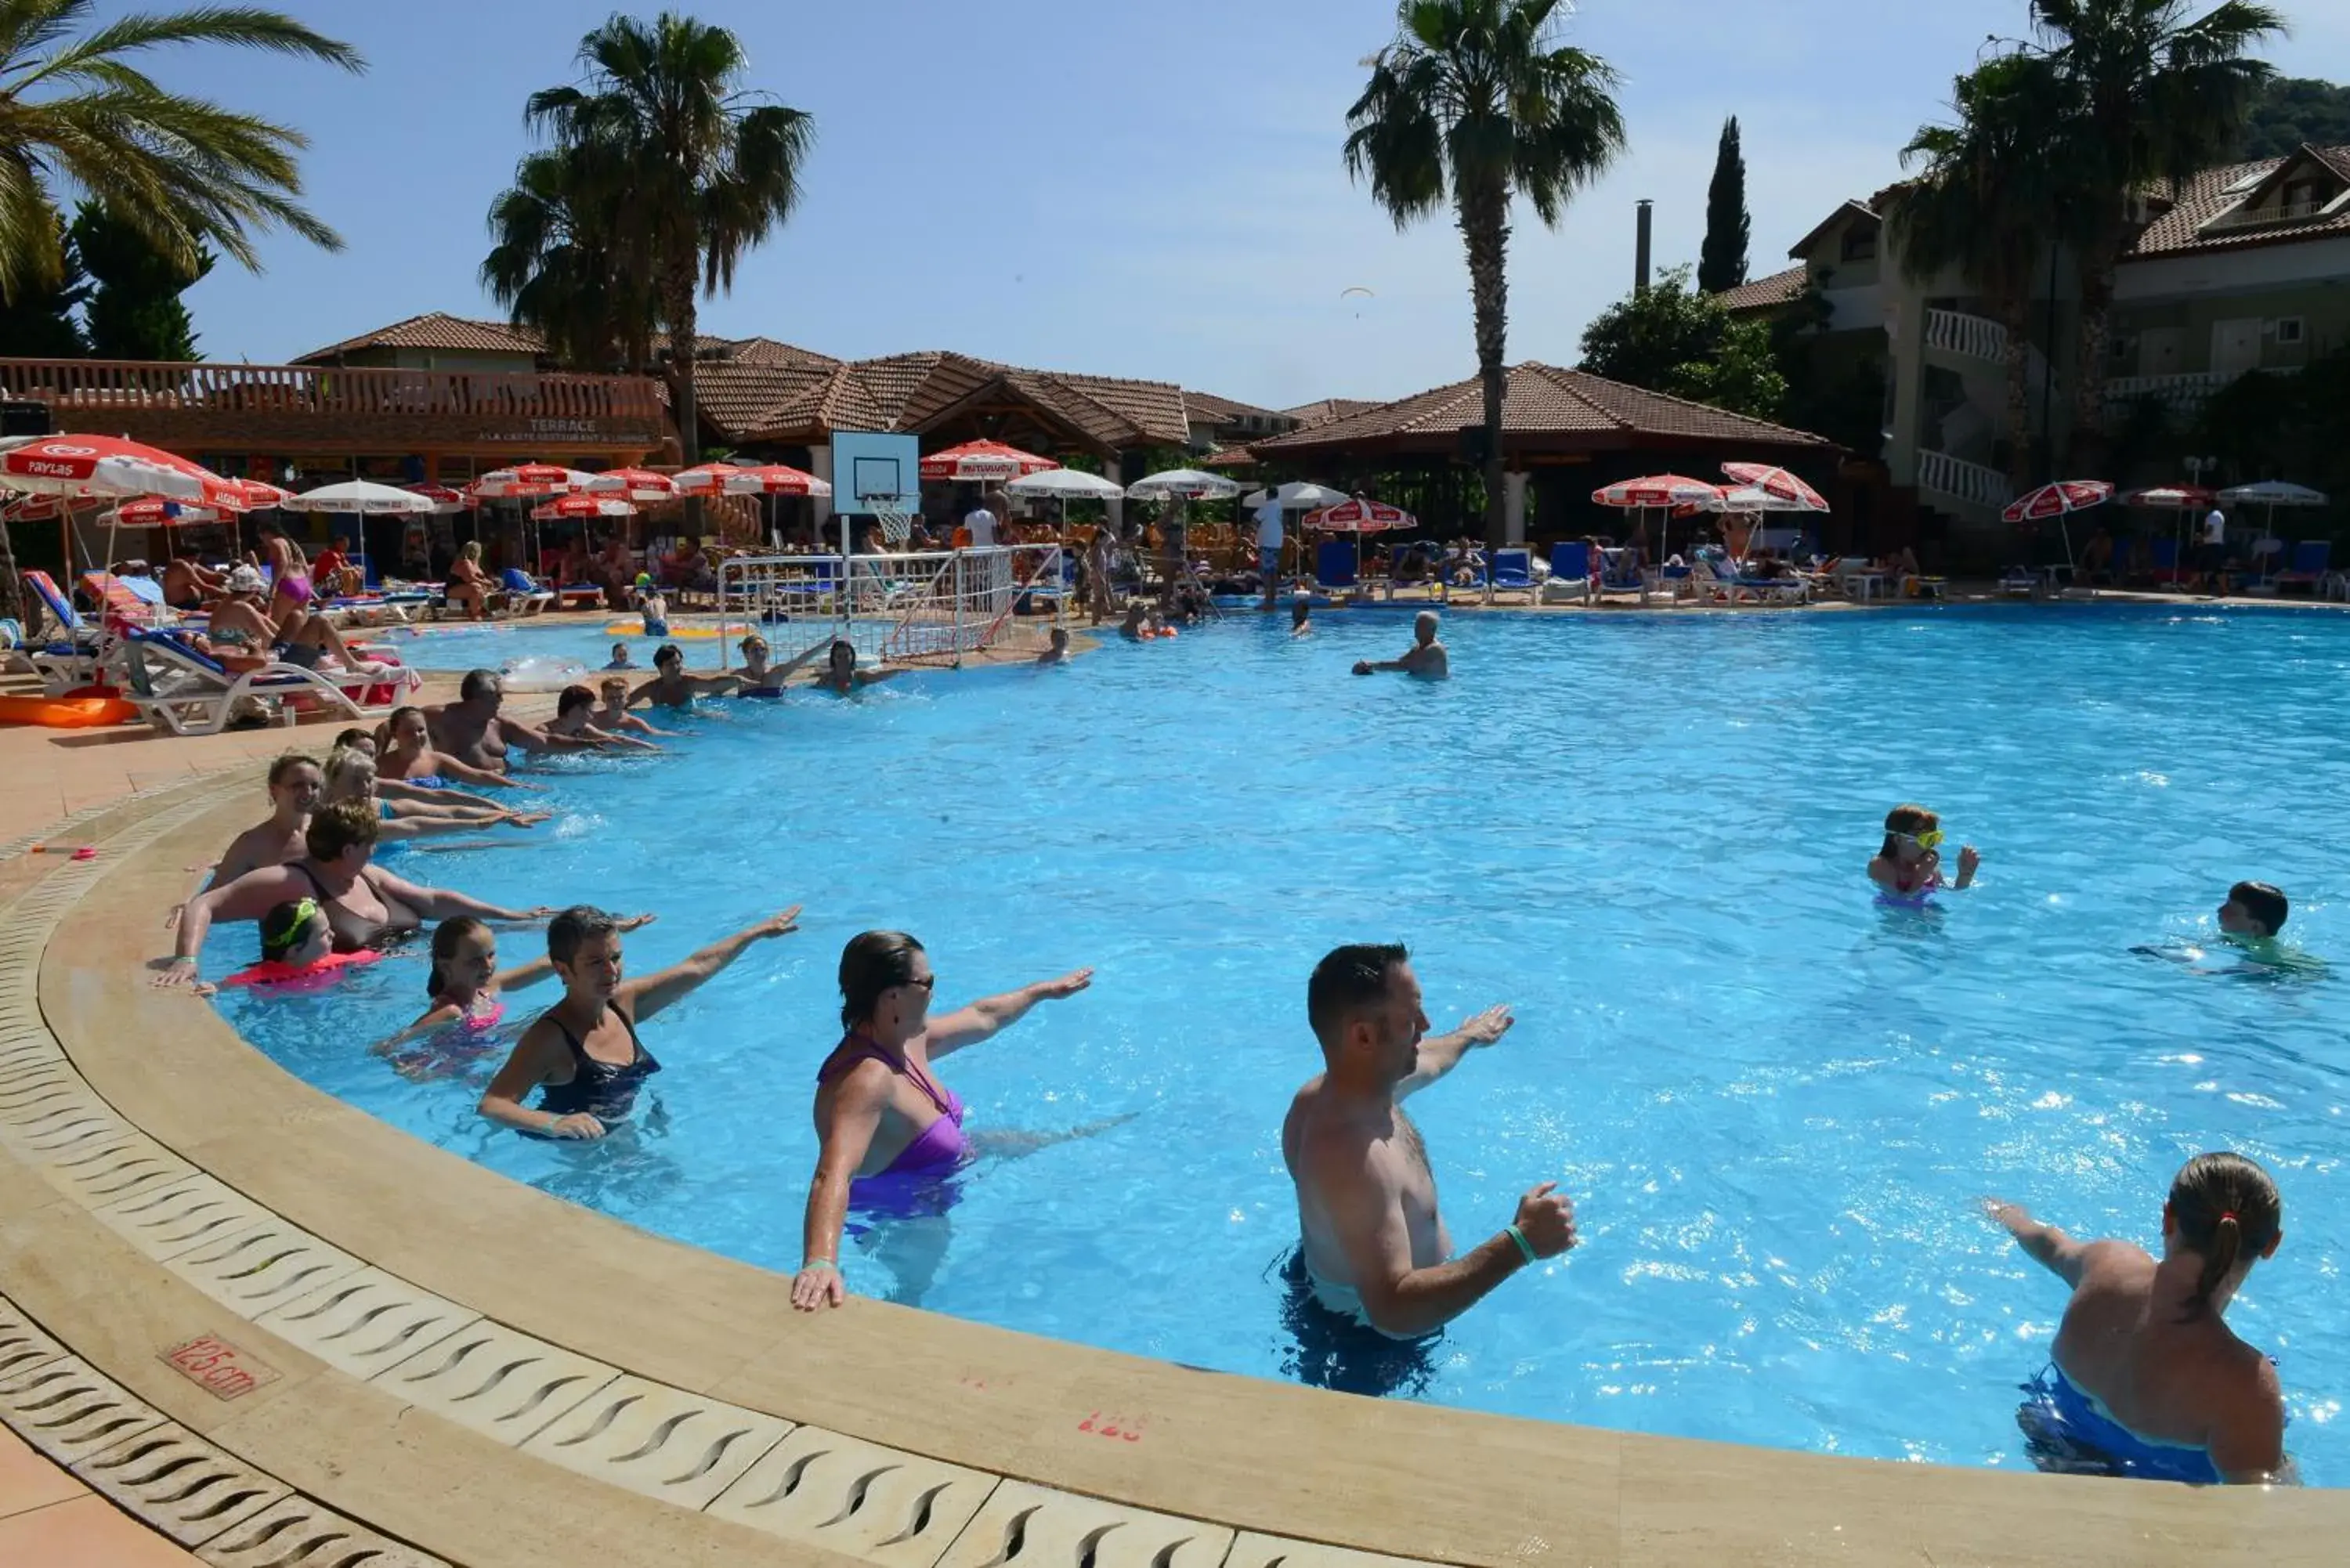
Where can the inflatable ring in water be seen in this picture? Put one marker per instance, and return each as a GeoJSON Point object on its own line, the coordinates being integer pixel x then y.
{"type": "Point", "coordinates": [678, 633]}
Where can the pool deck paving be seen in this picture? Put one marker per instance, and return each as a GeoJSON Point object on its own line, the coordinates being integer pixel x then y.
{"type": "Point", "coordinates": [241, 1319]}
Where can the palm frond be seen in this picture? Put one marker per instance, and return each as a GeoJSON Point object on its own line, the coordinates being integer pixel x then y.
{"type": "Point", "coordinates": [239, 26]}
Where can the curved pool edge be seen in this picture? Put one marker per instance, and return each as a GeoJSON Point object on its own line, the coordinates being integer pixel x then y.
{"type": "Point", "coordinates": [274, 1208]}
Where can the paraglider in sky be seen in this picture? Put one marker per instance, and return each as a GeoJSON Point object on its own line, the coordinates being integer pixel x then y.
{"type": "Point", "coordinates": [1356, 294]}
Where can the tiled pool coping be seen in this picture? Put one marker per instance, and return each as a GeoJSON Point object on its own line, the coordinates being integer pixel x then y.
{"type": "Point", "coordinates": [429, 1356]}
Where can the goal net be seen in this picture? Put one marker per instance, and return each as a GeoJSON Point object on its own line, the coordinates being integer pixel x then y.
{"type": "Point", "coordinates": [942, 606]}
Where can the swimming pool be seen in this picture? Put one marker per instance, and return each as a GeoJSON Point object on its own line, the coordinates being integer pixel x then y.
{"type": "Point", "coordinates": [1773, 1102]}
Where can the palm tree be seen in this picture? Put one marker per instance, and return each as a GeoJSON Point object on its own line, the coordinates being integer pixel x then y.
{"type": "Point", "coordinates": [707, 170]}
{"type": "Point", "coordinates": [2155, 98]}
{"type": "Point", "coordinates": [184, 172]}
{"type": "Point", "coordinates": [1987, 207]}
{"type": "Point", "coordinates": [1475, 102]}
{"type": "Point", "coordinates": [565, 263]}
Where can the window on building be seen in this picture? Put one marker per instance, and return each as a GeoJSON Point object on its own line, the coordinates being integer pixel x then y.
{"type": "Point", "coordinates": [2290, 331]}
{"type": "Point", "coordinates": [1860, 242]}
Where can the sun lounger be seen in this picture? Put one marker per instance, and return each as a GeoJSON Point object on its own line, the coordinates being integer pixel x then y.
{"type": "Point", "coordinates": [186, 691]}
{"type": "Point", "coordinates": [1620, 573]}
{"type": "Point", "coordinates": [1334, 563]}
{"type": "Point", "coordinates": [2312, 559]}
{"type": "Point", "coordinates": [67, 661]}
{"type": "Point", "coordinates": [1570, 573]}
{"type": "Point", "coordinates": [1513, 573]}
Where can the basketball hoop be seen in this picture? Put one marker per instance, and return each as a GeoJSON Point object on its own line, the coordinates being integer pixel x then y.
{"type": "Point", "coordinates": [897, 522]}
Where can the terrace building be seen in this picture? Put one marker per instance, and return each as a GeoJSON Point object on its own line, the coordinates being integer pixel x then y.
{"type": "Point", "coordinates": [2245, 270]}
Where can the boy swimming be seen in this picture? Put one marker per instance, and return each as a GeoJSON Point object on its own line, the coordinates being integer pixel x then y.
{"type": "Point", "coordinates": [1908, 869]}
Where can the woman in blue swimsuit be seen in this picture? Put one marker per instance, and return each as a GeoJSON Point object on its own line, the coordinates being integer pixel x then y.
{"type": "Point", "coordinates": [891, 1131]}
{"type": "Point", "coordinates": [583, 1053]}
{"type": "Point", "coordinates": [2145, 1378]}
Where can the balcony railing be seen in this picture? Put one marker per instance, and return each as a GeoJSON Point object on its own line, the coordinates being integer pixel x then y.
{"type": "Point", "coordinates": [101, 392]}
{"type": "Point", "coordinates": [1971, 482]}
{"type": "Point", "coordinates": [1976, 337]}
{"type": "Point", "coordinates": [2263, 217]}
{"type": "Point", "coordinates": [2183, 391]}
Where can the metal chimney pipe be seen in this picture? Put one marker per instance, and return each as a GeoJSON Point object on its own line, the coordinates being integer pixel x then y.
{"type": "Point", "coordinates": [1640, 247]}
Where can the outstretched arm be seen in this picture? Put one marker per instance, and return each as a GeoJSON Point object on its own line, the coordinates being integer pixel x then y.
{"type": "Point", "coordinates": [2043, 1245]}
{"type": "Point", "coordinates": [857, 1107]}
{"type": "Point", "coordinates": [440, 904]}
{"type": "Point", "coordinates": [658, 990]}
{"type": "Point", "coordinates": [779, 673]}
{"type": "Point", "coordinates": [1440, 1055]}
{"type": "Point", "coordinates": [249, 897]}
{"type": "Point", "coordinates": [449, 767]}
{"type": "Point", "coordinates": [977, 1021]}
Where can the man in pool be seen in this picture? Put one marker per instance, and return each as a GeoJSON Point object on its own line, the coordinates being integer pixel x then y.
{"type": "Point", "coordinates": [473, 731]}
{"type": "Point", "coordinates": [2254, 913]}
{"type": "Point", "coordinates": [2145, 1377]}
{"type": "Point", "coordinates": [1426, 659]}
{"type": "Point", "coordinates": [672, 686]}
{"type": "Point", "coordinates": [1374, 1247]}
{"type": "Point", "coordinates": [621, 660]}
{"type": "Point", "coordinates": [1058, 653]}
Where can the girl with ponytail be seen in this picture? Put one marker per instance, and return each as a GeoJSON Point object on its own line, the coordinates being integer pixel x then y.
{"type": "Point", "coordinates": [2145, 1379]}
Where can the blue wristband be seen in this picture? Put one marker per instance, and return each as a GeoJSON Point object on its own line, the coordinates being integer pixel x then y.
{"type": "Point", "coordinates": [1525, 1248]}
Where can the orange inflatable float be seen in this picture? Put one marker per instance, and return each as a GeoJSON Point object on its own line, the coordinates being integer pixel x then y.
{"type": "Point", "coordinates": [66, 712]}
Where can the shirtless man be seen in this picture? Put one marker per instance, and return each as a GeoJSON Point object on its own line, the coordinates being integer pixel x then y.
{"type": "Point", "coordinates": [1375, 1248]}
{"type": "Point", "coordinates": [1058, 653]}
{"type": "Point", "coordinates": [186, 584]}
{"type": "Point", "coordinates": [1426, 660]}
{"type": "Point", "coordinates": [672, 686]}
{"type": "Point", "coordinates": [614, 717]}
{"type": "Point", "coordinates": [364, 903]}
{"type": "Point", "coordinates": [473, 731]}
{"type": "Point", "coordinates": [575, 715]}
{"type": "Point", "coordinates": [410, 760]}
{"type": "Point", "coordinates": [2147, 1374]}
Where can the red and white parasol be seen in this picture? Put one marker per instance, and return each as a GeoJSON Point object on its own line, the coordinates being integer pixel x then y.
{"type": "Point", "coordinates": [981, 461]}
{"type": "Point", "coordinates": [578, 506]}
{"type": "Point", "coordinates": [1658, 489]}
{"type": "Point", "coordinates": [155, 512]}
{"type": "Point", "coordinates": [710, 479]}
{"type": "Point", "coordinates": [1358, 516]}
{"type": "Point", "coordinates": [2172, 498]}
{"type": "Point", "coordinates": [775, 479]}
{"type": "Point", "coordinates": [528, 479]}
{"type": "Point", "coordinates": [2066, 495]}
{"type": "Point", "coordinates": [443, 499]}
{"type": "Point", "coordinates": [631, 485]}
{"type": "Point", "coordinates": [1778, 484]}
{"type": "Point", "coordinates": [258, 495]}
{"type": "Point", "coordinates": [110, 465]}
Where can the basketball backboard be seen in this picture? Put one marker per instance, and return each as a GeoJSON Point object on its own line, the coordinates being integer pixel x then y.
{"type": "Point", "coordinates": [876, 473]}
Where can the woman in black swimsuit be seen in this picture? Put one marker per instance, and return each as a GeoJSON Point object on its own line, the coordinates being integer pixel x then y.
{"type": "Point", "coordinates": [364, 903]}
{"type": "Point", "coordinates": [583, 1053]}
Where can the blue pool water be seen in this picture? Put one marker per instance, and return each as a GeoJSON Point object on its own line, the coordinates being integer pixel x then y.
{"type": "Point", "coordinates": [1773, 1104]}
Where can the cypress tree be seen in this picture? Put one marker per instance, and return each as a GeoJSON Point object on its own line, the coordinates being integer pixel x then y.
{"type": "Point", "coordinates": [1722, 263]}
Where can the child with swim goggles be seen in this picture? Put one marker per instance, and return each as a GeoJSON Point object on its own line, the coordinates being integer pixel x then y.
{"type": "Point", "coordinates": [297, 951]}
{"type": "Point", "coordinates": [1908, 869]}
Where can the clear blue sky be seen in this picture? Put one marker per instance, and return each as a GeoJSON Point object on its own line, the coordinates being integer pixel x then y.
{"type": "Point", "coordinates": [1144, 188]}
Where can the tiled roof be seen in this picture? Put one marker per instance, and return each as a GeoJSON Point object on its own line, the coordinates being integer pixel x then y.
{"type": "Point", "coordinates": [1850, 209]}
{"type": "Point", "coordinates": [771, 395]}
{"type": "Point", "coordinates": [1209, 409]}
{"type": "Point", "coordinates": [2206, 196]}
{"type": "Point", "coordinates": [437, 330]}
{"type": "Point", "coordinates": [1308, 415]}
{"type": "Point", "coordinates": [1763, 293]}
{"type": "Point", "coordinates": [1567, 410]}
{"type": "Point", "coordinates": [1231, 457]}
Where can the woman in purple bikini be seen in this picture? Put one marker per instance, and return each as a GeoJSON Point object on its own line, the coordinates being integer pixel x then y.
{"type": "Point", "coordinates": [890, 1132]}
